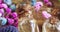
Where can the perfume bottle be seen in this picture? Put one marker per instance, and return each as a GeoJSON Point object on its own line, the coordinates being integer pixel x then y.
{"type": "Point", "coordinates": [28, 24]}
{"type": "Point", "coordinates": [51, 25]}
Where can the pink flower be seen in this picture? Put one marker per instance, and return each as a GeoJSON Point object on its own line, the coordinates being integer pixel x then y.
{"type": "Point", "coordinates": [45, 14]}
{"type": "Point", "coordinates": [4, 5]}
{"type": "Point", "coordinates": [12, 19]}
{"type": "Point", "coordinates": [0, 14]}
{"type": "Point", "coordinates": [1, 10]}
{"type": "Point", "coordinates": [38, 5]}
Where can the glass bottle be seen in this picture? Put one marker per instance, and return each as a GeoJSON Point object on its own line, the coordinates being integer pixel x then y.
{"type": "Point", "coordinates": [51, 25]}
{"type": "Point", "coordinates": [28, 23]}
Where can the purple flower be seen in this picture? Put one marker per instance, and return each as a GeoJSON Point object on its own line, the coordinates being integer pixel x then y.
{"type": "Point", "coordinates": [8, 29]}
{"type": "Point", "coordinates": [1, 1]}
{"type": "Point", "coordinates": [15, 22]}
{"type": "Point", "coordinates": [49, 4]}
{"type": "Point", "coordinates": [8, 10]}
{"type": "Point", "coordinates": [46, 1]}
{"type": "Point", "coordinates": [10, 21]}
{"type": "Point", "coordinates": [1, 6]}
{"type": "Point", "coordinates": [14, 14]}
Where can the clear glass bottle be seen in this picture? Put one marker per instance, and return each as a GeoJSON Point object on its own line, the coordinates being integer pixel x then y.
{"type": "Point", "coordinates": [51, 25]}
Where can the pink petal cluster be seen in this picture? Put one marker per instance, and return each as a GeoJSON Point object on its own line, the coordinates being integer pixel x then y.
{"type": "Point", "coordinates": [45, 14]}
{"type": "Point", "coordinates": [38, 5]}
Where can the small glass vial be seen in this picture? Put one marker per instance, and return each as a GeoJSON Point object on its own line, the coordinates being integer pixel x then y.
{"type": "Point", "coordinates": [51, 25]}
